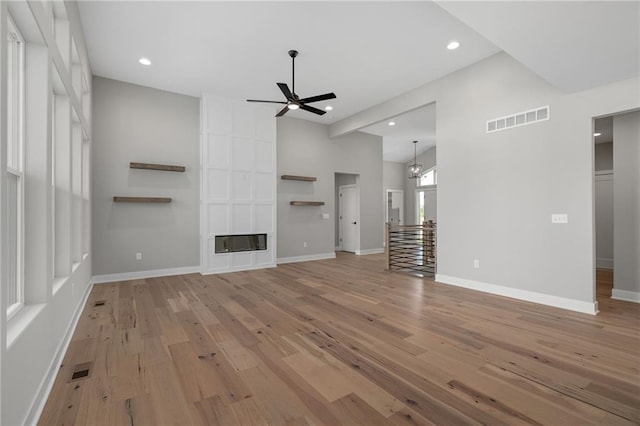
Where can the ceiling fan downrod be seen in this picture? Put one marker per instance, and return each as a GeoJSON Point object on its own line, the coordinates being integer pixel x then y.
{"type": "Point", "coordinates": [293, 54]}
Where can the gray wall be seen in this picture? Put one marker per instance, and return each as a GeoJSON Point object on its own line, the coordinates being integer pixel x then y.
{"type": "Point", "coordinates": [626, 210]}
{"type": "Point", "coordinates": [428, 160]}
{"type": "Point", "coordinates": [304, 148]}
{"type": "Point", "coordinates": [604, 156]}
{"type": "Point", "coordinates": [140, 124]}
{"type": "Point", "coordinates": [494, 199]}
{"type": "Point", "coordinates": [393, 175]}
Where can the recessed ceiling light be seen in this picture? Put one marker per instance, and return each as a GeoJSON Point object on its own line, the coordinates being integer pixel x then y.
{"type": "Point", "coordinates": [144, 61]}
{"type": "Point", "coordinates": [328, 108]}
{"type": "Point", "coordinates": [597, 134]}
{"type": "Point", "coordinates": [391, 123]}
{"type": "Point", "coordinates": [453, 45]}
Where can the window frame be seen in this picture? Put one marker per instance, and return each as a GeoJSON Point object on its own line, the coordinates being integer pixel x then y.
{"type": "Point", "coordinates": [433, 169]}
{"type": "Point", "coordinates": [16, 140]}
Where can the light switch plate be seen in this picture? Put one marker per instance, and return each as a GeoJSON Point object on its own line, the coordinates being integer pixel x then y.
{"type": "Point", "coordinates": [559, 218]}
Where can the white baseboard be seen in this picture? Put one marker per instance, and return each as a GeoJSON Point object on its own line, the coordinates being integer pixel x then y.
{"type": "Point", "coordinates": [629, 296]}
{"type": "Point", "coordinates": [294, 259]}
{"type": "Point", "coordinates": [604, 263]}
{"type": "Point", "coordinates": [369, 251]}
{"type": "Point", "coordinates": [35, 411]}
{"type": "Point", "coordinates": [529, 296]}
{"type": "Point", "coordinates": [109, 278]}
{"type": "Point", "coordinates": [239, 269]}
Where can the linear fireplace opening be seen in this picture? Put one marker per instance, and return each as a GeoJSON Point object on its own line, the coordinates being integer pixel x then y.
{"type": "Point", "coordinates": [244, 242]}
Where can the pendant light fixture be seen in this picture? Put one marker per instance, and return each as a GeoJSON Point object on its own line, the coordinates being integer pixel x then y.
{"type": "Point", "coordinates": [415, 169]}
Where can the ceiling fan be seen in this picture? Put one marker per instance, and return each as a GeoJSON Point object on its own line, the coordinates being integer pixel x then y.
{"type": "Point", "coordinates": [293, 101]}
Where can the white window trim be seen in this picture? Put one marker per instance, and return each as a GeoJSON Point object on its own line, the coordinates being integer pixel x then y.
{"type": "Point", "coordinates": [418, 186]}
{"type": "Point", "coordinates": [13, 30]}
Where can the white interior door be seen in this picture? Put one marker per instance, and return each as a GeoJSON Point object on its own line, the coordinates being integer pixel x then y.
{"type": "Point", "coordinates": [349, 224]}
{"type": "Point", "coordinates": [395, 207]}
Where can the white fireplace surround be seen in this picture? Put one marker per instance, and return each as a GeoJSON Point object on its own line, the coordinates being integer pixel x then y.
{"type": "Point", "coordinates": [238, 181]}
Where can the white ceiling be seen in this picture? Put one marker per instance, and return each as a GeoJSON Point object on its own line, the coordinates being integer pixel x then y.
{"type": "Point", "coordinates": [365, 52]}
{"type": "Point", "coordinates": [417, 125]}
{"type": "Point", "coordinates": [574, 45]}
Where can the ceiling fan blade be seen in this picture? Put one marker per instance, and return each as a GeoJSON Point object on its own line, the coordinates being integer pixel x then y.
{"type": "Point", "coordinates": [318, 98]}
{"type": "Point", "coordinates": [268, 102]}
{"type": "Point", "coordinates": [283, 111]}
{"type": "Point", "coordinates": [312, 109]}
{"type": "Point", "coordinates": [285, 91]}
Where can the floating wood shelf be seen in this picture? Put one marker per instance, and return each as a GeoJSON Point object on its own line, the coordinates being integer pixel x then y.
{"type": "Point", "coordinates": [163, 167]}
{"type": "Point", "coordinates": [119, 199]}
{"type": "Point", "coordinates": [302, 178]}
{"type": "Point", "coordinates": [307, 203]}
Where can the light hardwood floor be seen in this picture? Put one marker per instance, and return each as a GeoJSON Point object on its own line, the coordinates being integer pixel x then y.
{"type": "Point", "coordinates": [342, 342]}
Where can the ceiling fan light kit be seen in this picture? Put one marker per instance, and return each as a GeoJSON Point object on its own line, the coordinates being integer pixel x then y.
{"type": "Point", "coordinates": [293, 101]}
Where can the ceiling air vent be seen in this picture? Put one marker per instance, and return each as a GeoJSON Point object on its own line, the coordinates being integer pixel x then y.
{"type": "Point", "coordinates": [518, 119]}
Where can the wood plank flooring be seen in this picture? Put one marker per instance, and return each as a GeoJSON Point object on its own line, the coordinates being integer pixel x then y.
{"type": "Point", "coordinates": [342, 342]}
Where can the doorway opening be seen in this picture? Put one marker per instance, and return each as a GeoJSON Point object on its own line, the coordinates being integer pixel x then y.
{"type": "Point", "coordinates": [616, 208]}
{"type": "Point", "coordinates": [394, 206]}
{"type": "Point", "coordinates": [348, 213]}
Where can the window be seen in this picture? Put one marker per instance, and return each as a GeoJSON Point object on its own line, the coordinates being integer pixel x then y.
{"type": "Point", "coordinates": [15, 166]}
{"type": "Point", "coordinates": [430, 177]}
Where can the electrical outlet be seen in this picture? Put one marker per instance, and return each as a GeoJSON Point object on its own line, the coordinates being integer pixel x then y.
{"type": "Point", "coordinates": [476, 263]}
{"type": "Point", "coordinates": [559, 218]}
{"type": "Point", "coordinates": [138, 256]}
{"type": "Point", "coordinates": [304, 244]}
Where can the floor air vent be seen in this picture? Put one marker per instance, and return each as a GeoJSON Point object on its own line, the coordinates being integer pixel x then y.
{"type": "Point", "coordinates": [81, 371]}
{"type": "Point", "coordinates": [518, 119]}
{"type": "Point", "coordinates": [79, 374]}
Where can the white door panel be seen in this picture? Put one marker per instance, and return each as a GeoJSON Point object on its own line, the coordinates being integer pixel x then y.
{"type": "Point", "coordinates": [349, 225]}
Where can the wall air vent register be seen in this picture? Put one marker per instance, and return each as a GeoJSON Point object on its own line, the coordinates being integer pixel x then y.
{"type": "Point", "coordinates": [518, 119]}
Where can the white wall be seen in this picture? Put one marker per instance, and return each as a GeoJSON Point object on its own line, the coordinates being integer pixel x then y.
{"type": "Point", "coordinates": [304, 148]}
{"type": "Point", "coordinates": [140, 124]}
{"type": "Point", "coordinates": [33, 341]}
{"type": "Point", "coordinates": [238, 181]}
{"type": "Point", "coordinates": [626, 210]}
{"type": "Point", "coordinates": [495, 200]}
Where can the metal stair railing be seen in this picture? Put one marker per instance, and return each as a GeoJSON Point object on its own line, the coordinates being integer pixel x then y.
{"type": "Point", "coordinates": [412, 248]}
